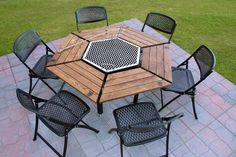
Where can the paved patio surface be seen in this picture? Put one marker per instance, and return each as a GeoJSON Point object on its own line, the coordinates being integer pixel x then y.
{"type": "Point", "coordinates": [213, 135]}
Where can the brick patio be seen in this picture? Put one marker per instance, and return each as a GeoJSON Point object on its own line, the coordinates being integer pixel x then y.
{"type": "Point", "coordinates": [213, 135]}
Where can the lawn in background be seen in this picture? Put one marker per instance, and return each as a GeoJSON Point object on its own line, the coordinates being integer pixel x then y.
{"type": "Point", "coordinates": [210, 22]}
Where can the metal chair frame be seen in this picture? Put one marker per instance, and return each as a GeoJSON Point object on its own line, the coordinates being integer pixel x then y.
{"type": "Point", "coordinates": [90, 21]}
{"type": "Point", "coordinates": [191, 90]}
{"type": "Point", "coordinates": [159, 29]}
{"type": "Point", "coordinates": [32, 74]}
{"type": "Point", "coordinates": [166, 121]}
{"type": "Point", "coordinates": [68, 126]}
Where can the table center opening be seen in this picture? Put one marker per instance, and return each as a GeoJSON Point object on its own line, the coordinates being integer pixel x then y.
{"type": "Point", "coordinates": [112, 54]}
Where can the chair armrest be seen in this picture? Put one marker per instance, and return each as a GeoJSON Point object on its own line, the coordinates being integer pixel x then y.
{"type": "Point", "coordinates": [55, 120]}
{"type": "Point", "coordinates": [168, 120]}
{"type": "Point", "coordinates": [47, 48]}
{"type": "Point", "coordinates": [38, 100]}
{"type": "Point", "coordinates": [64, 107]}
{"type": "Point", "coordinates": [139, 128]}
{"type": "Point", "coordinates": [185, 63]}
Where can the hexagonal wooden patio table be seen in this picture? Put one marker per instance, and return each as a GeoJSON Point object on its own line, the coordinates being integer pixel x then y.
{"type": "Point", "coordinates": [152, 71]}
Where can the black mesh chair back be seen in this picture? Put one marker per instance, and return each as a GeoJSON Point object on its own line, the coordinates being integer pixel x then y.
{"type": "Point", "coordinates": [61, 113]}
{"type": "Point", "coordinates": [205, 60]}
{"type": "Point", "coordinates": [25, 100]}
{"type": "Point", "coordinates": [25, 44]}
{"type": "Point", "coordinates": [90, 14]}
{"type": "Point", "coordinates": [161, 23]}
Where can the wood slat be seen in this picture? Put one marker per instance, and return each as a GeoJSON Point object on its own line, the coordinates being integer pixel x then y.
{"type": "Point", "coordinates": [140, 35]}
{"type": "Point", "coordinates": [54, 59]}
{"type": "Point", "coordinates": [92, 70]}
{"type": "Point", "coordinates": [85, 73]}
{"type": "Point", "coordinates": [130, 84]}
{"type": "Point", "coordinates": [167, 61]}
{"type": "Point", "coordinates": [76, 76]}
{"type": "Point", "coordinates": [124, 73]}
{"type": "Point", "coordinates": [81, 50]}
{"type": "Point", "coordinates": [128, 78]}
{"type": "Point", "coordinates": [74, 83]}
{"type": "Point", "coordinates": [133, 90]}
{"type": "Point", "coordinates": [69, 40]}
{"type": "Point", "coordinates": [63, 55]}
{"type": "Point", "coordinates": [160, 61]}
{"type": "Point", "coordinates": [94, 34]}
{"type": "Point", "coordinates": [145, 35]}
{"type": "Point", "coordinates": [146, 58]}
{"type": "Point", "coordinates": [128, 38]}
{"type": "Point", "coordinates": [73, 53]}
{"type": "Point", "coordinates": [152, 60]}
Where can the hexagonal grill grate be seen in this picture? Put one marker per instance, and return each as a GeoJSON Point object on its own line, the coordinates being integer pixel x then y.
{"type": "Point", "coordinates": [112, 54]}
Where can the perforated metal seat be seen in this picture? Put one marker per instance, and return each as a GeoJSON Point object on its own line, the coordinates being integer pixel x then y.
{"type": "Point", "coordinates": [141, 123]}
{"type": "Point", "coordinates": [90, 14]}
{"type": "Point", "coordinates": [183, 82]}
{"type": "Point", "coordinates": [40, 68]}
{"type": "Point", "coordinates": [60, 114]}
{"type": "Point", "coordinates": [66, 107]}
{"type": "Point", "coordinates": [140, 115]}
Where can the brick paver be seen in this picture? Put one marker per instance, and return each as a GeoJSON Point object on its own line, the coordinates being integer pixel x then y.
{"type": "Point", "coordinates": [213, 135]}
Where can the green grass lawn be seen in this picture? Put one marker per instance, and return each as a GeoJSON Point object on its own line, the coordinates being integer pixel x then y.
{"type": "Point", "coordinates": [210, 22]}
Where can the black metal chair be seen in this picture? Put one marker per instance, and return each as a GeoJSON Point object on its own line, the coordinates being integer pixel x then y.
{"type": "Point", "coordinates": [23, 47]}
{"type": "Point", "coordinates": [90, 14]}
{"type": "Point", "coordinates": [60, 114]}
{"type": "Point", "coordinates": [141, 123]}
{"type": "Point", "coordinates": [161, 22]}
{"type": "Point", "coordinates": [183, 82]}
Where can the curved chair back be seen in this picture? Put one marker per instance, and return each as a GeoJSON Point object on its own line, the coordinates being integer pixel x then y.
{"type": "Point", "coordinates": [161, 23]}
{"type": "Point", "coordinates": [25, 100]}
{"type": "Point", "coordinates": [205, 60]}
{"type": "Point", "coordinates": [25, 44]}
{"type": "Point", "coordinates": [90, 14]}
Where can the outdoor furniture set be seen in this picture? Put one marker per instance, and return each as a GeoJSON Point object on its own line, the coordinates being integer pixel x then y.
{"type": "Point", "coordinates": [105, 64]}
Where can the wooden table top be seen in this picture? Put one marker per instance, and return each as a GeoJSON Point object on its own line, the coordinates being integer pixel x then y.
{"type": "Point", "coordinates": [154, 70]}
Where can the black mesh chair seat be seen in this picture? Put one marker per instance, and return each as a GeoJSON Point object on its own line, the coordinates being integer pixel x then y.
{"type": "Point", "coordinates": [66, 107]}
{"type": "Point", "coordinates": [61, 113]}
{"type": "Point", "coordinates": [141, 114]}
{"type": "Point", "coordinates": [182, 80]}
{"type": "Point", "coordinates": [40, 69]}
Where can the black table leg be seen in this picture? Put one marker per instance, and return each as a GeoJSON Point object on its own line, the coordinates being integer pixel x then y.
{"type": "Point", "coordinates": [135, 99]}
{"type": "Point", "coordinates": [100, 108]}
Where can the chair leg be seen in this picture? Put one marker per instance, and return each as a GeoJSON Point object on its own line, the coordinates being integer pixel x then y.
{"type": "Point", "coordinates": [135, 100]}
{"type": "Point", "coordinates": [88, 127]}
{"type": "Point", "coordinates": [65, 145]}
{"type": "Point", "coordinates": [194, 109]}
{"type": "Point", "coordinates": [36, 128]}
{"type": "Point", "coordinates": [169, 102]}
{"type": "Point", "coordinates": [48, 86]}
{"type": "Point", "coordinates": [62, 86]}
{"type": "Point", "coordinates": [161, 98]}
{"type": "Point", "coordinates": [167, 140]}
{"type": "Point", "coordinates": [121, 149]}
{"type": "Point", "coordinates": [30, 86]}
